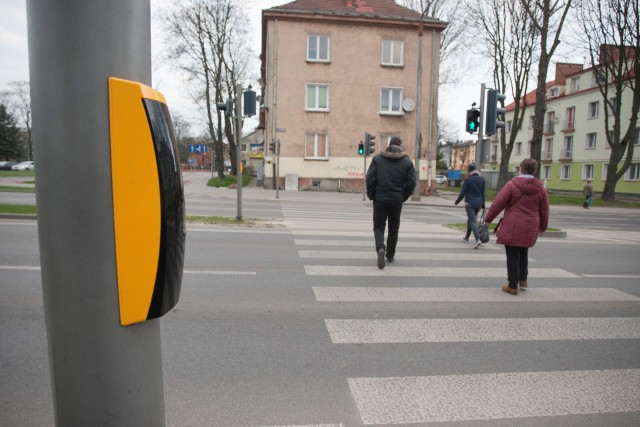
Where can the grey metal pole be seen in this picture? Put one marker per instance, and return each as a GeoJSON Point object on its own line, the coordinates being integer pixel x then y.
{"type": "Point", "coordinates": [483, 88]}
{"type": "Point", "coordinates": [364, 178]}
{"type": "Point", "coordinates": [239, 149]}
{"type": "Point", "coordinates": [417, 192]}
{"type": "Point", "coordinates": [101, 373]}
{"type": "Point", "coordinates": [276, 146]}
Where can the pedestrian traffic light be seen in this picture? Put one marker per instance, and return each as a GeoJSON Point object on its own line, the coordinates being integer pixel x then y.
{"type": "Point", "coordinates": [493, 110]}
{"type": "Point", "coordinates": [227, 107]}
{"type": "Point", "coordinates": [369, 143]}
{"type": "Point", "coordinates": [360, 149]}
{"type": "Point", "coordinates": [473, 120]}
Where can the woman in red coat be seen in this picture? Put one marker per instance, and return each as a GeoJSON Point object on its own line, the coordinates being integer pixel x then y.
{"type": "Point", "coordinates": [526, 215]}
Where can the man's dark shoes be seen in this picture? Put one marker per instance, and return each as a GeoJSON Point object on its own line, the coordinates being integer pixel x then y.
{"type": "Point", "coordinates": [381, 262]}
{"type": "Point", "coordinates": [390, 259]}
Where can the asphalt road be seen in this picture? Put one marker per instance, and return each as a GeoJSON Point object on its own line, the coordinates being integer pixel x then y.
{"type": "Point", "coordinates": [295, 325]}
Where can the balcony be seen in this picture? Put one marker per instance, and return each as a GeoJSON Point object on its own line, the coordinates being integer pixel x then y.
{"type": "Point", "coordinates": [568, 126]}
{"type": "Point", "coordinates": [546, 157]}
{"type": "Point", "coordinates": [549, 128]}
{"type": "Point", "coordinates": [566, 156]}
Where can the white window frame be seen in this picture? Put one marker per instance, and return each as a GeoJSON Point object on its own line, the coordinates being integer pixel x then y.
{"type": "Point", "coordinates": [591, 141]}
{"type": "Point", "coordinates": [391, 109]}
{"type": "Point", "coordinates": [311, 146]}
{"type": "Point", "coordinates": [547, 152]}
{"type": "Point", "coordinates": [389, 52]}
{"type": "Point", "coordinates": [316, 88]}
{"type": "Point", "coordinates": [546, 171]}
{"type": "Point", "coordinates": [588, 171]}
{"type": "Point", "coordinates": [605, 168]}
{"type": "Point", "coordinates": [315, 41]}
{"type": "Point", "coordinates": [518, 148]}
{"type": "Point", "coordinates": [593, 110]}
{"type": "Point", "coordinates": [565, 172]}
{"type": "Point", "coordinates": [574, 84]}
{"type": "Point", "coordinates": [633, 173]}
{"type": "Point", "coordinates": [567, 147]}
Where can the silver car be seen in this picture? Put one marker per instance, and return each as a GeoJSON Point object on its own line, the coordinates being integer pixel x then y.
{"type": "Point", "coordinates": [23, 166]}
{"type": "Point", "coordinates": [441, 179]}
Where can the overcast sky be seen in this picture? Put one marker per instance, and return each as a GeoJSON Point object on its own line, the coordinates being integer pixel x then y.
{"type": "Point", "coordinates": [454, 100]}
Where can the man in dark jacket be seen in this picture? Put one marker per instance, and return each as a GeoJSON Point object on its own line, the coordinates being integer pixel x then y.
{"type": "Point", "coordinates": [473, 193]}
{"type": "Point", "coordinates": [391, 179]}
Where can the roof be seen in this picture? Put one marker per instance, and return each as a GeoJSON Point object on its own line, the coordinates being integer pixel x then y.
{"type": "Point", "coordinates": [378, 8]}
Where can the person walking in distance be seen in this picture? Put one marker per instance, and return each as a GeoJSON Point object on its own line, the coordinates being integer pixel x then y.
{"type": "Point", "coordinates": [391, 179]}
{"type": "Point", "coordinates": [526, 215]}
{"type": "Point", "coordinates": [587, 192]}
{"type": "Point", "coordinates": [473, 194]}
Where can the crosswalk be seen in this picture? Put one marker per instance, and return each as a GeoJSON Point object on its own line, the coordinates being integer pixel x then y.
{"type": "Point", "coordinates": [333, 260]}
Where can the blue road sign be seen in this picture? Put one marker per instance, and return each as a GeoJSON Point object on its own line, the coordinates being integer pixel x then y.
{"type": "Point", "coordinates": [198, 148]}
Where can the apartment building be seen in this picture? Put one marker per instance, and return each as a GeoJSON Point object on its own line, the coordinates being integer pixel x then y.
{"type": "Point", "coordinates": [334, 70]}
{"type": "Point", "coordinates": [574, 146]}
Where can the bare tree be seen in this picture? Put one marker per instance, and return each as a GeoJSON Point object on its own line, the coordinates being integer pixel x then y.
{"type": "Point", "coordinates": [612, 33]}
{"type": "Point", "coordinates": [548, 16]}
{"type": "Point", "coordinates": [451, 39]}
{"type": "Point", "coordinates": [510, 38]}
{"type": "Point", "coordinates": [18, 102]}
{"type": "Point", "coordinates": [207, 38]}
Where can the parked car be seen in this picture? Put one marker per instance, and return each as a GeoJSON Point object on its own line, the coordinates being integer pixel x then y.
{"type": "Point", "coordinates": [6, 166]}
{"type": "Point", "coordinates": [442, 180]}
{"type": "Point", "coordinates": [23, 166]}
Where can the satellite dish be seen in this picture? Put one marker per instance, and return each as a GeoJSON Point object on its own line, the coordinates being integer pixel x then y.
{"type": "Point", "coordinates": [408, 104]}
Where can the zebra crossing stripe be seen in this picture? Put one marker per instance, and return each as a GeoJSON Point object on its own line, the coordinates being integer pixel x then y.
{"type": "Point", "coordinates": [339, 270]}
{"type": "Point", "coordinates": [446, 398]}
{"type": "Point", "coordinates": [429, 256]}
{"type": "Point", "coordinates": [401, 246]}
{"type": "Point", "coordinates": [494, 294]}
{"type": "Point", "coordinates": [386, 331]}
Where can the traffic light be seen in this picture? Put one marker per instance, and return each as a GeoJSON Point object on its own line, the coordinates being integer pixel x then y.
{"type": "Point", "coordinates": [272, 146]}
{"type": "Point", "coordinates": [369, 143]}
{"type": "Point", "coordinates": [227, 107]}
{"type": "Point", "coordinates": [493, 110]}
{"type": "Point", "coordinates": [249, 102]}
{"type": "Point", "coordinates": [473, 120]}
{"type": "Point", "coordinates": [360, 149]}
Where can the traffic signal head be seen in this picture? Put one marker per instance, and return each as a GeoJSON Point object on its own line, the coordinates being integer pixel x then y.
{"type": "Point", "coordinates": [369, 143]}
{"type": "Point", "coordinates": [360, 149]}
{"type": "Point", "coordinates": [249, 103]}
{"type": "Point", "coordinates": [473, 120]}
{"type": "Point", "coordinates": [272, 146]}
{"type": "Point", "coordinates": [493, 110]}
{"type": "Point", "coordinates": [227, 107]}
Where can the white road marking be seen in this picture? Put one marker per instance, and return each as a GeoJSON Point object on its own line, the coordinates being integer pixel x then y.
{"type": "Point", "coordinates": [445, 398]}
{"type": "Point", "coordinates": [446, 294]}
{"type": "Point", "coordinates": [338, 270]}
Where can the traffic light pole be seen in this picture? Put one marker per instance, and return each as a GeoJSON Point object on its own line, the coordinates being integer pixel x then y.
{"type": "Point", "coordinates": [238, 135]}
{"type": "Point", "coordinates": [480, 128]}
{"type": "Point", "coordinates": [101, 372]}
{"type": "Point", "coordinates": [364, 175]}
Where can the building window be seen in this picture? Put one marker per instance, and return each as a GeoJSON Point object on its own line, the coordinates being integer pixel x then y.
{"type": "Point", "coordinates": [567, 150]}
{"type": "Point", "coordinates": [593, 109]}
{"type": "Point", "coordinates": [390, 100]}
{"type": "Point", "coordinates": [569, 123]}
{"type": "Point", "coordinates": [317, 97]}
{"type": "Point", "coordinates": [633, 173]}
{"type": "Point", "coordinates": [637, 137]}
{"type": "Point", "coordinates": [316, 146]}
{"type": "Point", "coordinates": [605, 168]}
{"type": "Point", "coordinates": [587, 172]}
{"type": "Point", "coordinates": [531, 121]}
{"type": "Point", "coordinates": [393, 52]}
{"type": "Point", "coordinates": [591, 141]}
{"type": "Point", "coordinates": [565, 172]}
{"type": "Point", "coordinates": [518, 148]}
{"type": "Point", "coordinates": [553, 92]}
{"type": "Point", "coordinates": [318, 48]}
{"type": "Point", "coordinates": [547, 153]}
{"type": "Point", "coordinates": [574, 84]}
{"type": "Point", "coordinates": [611, 104]}
{"type": "Point", "coordinates": [508, 126]}
{"type": "Point", "coordinates": [546, 172]}
{"type": "Point", "coordinates": [598, 78]}
{"type": "Point", "coordinates": [550, 122]}
{"type": "Point", "coordinates": [529, 148]}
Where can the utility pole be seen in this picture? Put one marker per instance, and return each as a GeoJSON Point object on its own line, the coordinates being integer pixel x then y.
{"type": "Point", "coordinates": [479, 142]}
{"type": "Point", "coordinates": [416, 194]}
{"type": "Point", "coordinates": [101, 372]}
{"type": "Point", "coordinates": [238, 135]}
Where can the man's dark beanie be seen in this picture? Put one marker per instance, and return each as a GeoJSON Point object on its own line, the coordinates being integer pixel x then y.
{"type": "Point", "coordinates": [471, 167]}
{"type": "Point", "coordinates": [395, 141]}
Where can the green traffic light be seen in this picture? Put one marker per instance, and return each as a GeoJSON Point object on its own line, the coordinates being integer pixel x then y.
{"type": "Point", "coordinates": [472, 126]}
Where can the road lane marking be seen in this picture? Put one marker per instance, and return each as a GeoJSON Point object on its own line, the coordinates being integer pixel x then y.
{"type": "Point", "coordinates": [447, 294]}
{"type": "Point", "coordinates": [401, 246]}
{"type": "Point", "coordinates": [446, 398]}
{"type": "Point", "coordinates": [220, 272]}
{"type": "Point", "coordinates": [386, 331]}
{"type": "Point", "coordinates": [475, 272]}
{"type": "Point", "coordinates": [613, 276]}
{"type": "Point", "coordinates": [471, 256]}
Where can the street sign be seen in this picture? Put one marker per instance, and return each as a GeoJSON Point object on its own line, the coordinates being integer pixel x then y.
{"type": "Point", "coordinates": [198, 148]}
